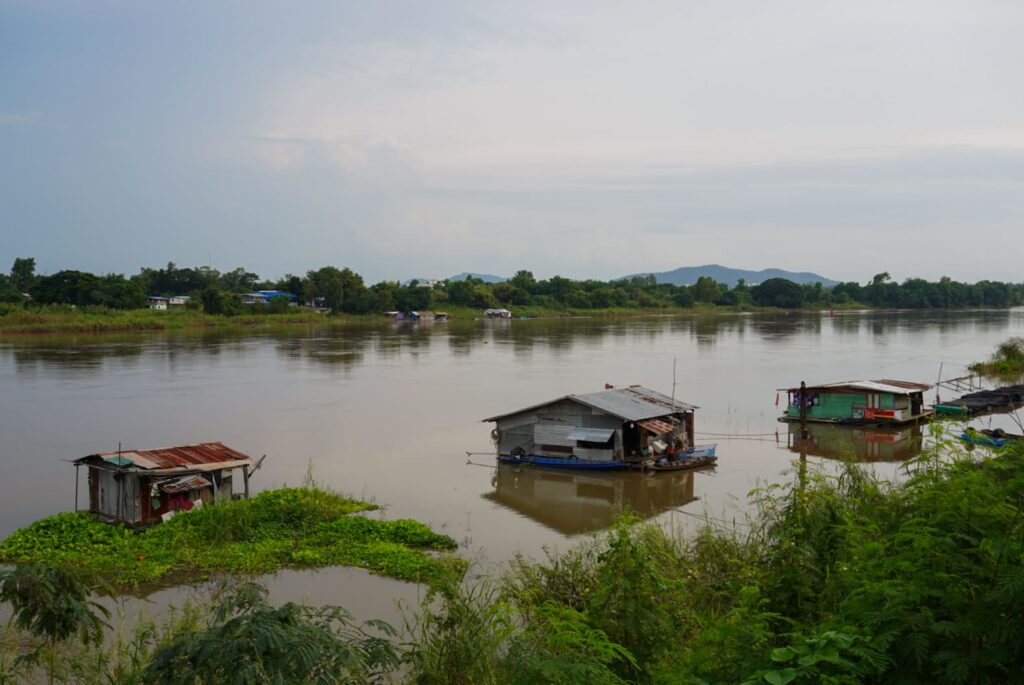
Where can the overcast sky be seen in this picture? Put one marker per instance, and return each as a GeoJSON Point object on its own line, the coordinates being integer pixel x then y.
{"type": "Point", "coordinates": [585, 139]}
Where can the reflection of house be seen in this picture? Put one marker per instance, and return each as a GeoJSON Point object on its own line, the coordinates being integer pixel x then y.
{"type": "Point", "coordinates": [497, 314]}
{"type": "Point", "coordinates": [867, 402]}
{"type": "Point", "coordinates": [576, 502]}
{"type": "Point", "coordinates": [859, 444]}
{"type": "Point", "coordinates": [615, 424]}
{"type": "Point", "coordinates": [138, 487]}
{"type": "Point", "coordinates": [156, 302]}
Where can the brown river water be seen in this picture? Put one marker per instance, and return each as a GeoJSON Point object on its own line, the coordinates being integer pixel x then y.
{"type": "Point", "coordinates": [387, 412]}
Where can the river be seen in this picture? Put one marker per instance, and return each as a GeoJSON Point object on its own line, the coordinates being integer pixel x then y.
{"type": "Point", "coordinates": [387, 412]}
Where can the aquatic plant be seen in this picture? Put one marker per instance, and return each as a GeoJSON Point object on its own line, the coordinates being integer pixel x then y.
{"type": "Point", "coordinates": [1007, 361]}
{"type": "Point", "coordinates": [289, 527]}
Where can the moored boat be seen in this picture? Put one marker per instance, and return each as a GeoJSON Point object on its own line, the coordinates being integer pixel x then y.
{"type": "Point", "coordinates": [562, 462]}
{"type": "Point", "coordinates": [699, 456]}
{"type": "Point", "coordinates": [986, 437]}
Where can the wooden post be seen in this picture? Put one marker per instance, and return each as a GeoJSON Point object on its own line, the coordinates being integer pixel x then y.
{"type": "Point", "coordinates": [245, 479]}
{"type": "Point", "coordinates": [76, 487]}
{"type": "Point", "coordinates": [803, 437]}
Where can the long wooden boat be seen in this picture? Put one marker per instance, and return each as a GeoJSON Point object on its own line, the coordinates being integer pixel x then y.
{"type": "Point", "coordinates": [562, 462]}
{"type": "Point", "coordinates": [989, 438]}
{"type": "Point", "coordinates": [700, 455]}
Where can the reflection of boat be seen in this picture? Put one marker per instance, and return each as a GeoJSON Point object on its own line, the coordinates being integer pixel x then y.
{"type": "Point", "coordinates": [580, 502]}
{"type": "Point", "coordinates": [989, 437]}
{"type": "Point", "coordinates": [861, 444]}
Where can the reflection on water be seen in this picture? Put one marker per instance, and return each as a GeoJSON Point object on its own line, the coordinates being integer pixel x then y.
{"type": "Point", "coordinates": [573, 502]}
{"type": "Point", "coordinates": [857, 443]}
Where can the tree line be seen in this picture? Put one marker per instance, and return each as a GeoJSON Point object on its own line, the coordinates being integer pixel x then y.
{"type": "Point", "coordinates": [344, 290]}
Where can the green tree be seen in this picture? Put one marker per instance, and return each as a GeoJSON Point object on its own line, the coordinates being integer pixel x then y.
{"type": "Point", "coordinates": [216, 301]}
{"type": "Point", "coordinates": [52, 604]}
{"type": "Point", "coordinates": [682, 297]}
{"type": "Point", "coordinates": [8, 291]}
{"type": "Point", "coordinates": [524, 280]}
{"type": "Point", "coordinates": [251, 642]}
{"type": "Point", "coordinates": [778, 292]}
{"type": "Point", "coordinates": [23, 273]}
{"type": "Point", "coordinates": [706, 289]}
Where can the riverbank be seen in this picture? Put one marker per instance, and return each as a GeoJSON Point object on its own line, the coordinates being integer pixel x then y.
{"type": "Point", "coordinates": [290, 527]}
{"type": "Point", "coordinates": [62, 319]}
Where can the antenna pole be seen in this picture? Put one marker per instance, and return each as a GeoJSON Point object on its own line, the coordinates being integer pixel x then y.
{"type": "Point", "coordinates": [673, 385]}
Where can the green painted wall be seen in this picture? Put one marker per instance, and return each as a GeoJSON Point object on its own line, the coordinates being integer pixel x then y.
{"type": "Point", "coordinates": [836, 406]}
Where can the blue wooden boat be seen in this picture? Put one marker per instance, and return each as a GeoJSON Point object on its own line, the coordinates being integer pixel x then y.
{"type": "Point", "coordinates": [989, 438]}
{"type": "Point", "coordinates": [562, 462]}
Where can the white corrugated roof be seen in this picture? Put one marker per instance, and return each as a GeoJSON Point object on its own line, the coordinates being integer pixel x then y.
{"type": "Point", "coordinates": [891, 387]}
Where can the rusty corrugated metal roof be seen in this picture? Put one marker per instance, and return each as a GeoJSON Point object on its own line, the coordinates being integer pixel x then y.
{"type": "Point", "coordinates": [187, 456]}
{"type": "Point", "coordinates": [184, 483]}
{"type": "Point", "coordinates": [656, 426]}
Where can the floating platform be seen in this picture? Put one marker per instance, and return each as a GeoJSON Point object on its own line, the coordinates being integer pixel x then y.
{"type": "Point", "coordinates": [1004, 399]}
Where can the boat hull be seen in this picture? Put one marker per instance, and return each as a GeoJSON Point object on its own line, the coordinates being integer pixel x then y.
{"type": "Point", "coordinates": [988, 438]}
{"type": "Point", "coordinates": [562, 463]}
{"type": "Point", "coordinates": [917, 418]}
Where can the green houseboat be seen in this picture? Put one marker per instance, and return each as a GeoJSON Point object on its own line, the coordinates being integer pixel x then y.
{"type": "Point", "coordinates": [882, 402]}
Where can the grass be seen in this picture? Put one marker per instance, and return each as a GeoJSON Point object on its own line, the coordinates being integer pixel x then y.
{"type": "Point", "coordinates": [61, 319]}
{"type": "Point", "coordinates": [290, 527]}
{"type": "Point", "coordinates": [1007, 361]}
{"type": "Point", "coordinates": [18, 320]}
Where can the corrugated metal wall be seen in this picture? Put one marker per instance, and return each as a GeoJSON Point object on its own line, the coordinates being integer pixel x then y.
{"type": "Point", "coordinates": [551, 425]}
{"type": "Point", "coordinates": [108, 491]}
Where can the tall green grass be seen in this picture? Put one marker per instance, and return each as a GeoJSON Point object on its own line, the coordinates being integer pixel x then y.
{"type": "Point", "coordinates": [848, 579]}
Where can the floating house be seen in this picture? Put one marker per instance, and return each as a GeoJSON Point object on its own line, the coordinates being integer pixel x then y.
{"type": "Point", "coordinates": [139, 487]}
{"type": "Point", "coordinates": [882, 402]}
{"type": "Point", "coordinates": [617, 425]}
{"type": "Point", "coordinates": [421, 316]}
{"type": "Point", "coordinates": [156, 302]}
{"type": "Point", "coordinates": [497, 314]}
{"type": "Point", "coordinates": [265, 296]}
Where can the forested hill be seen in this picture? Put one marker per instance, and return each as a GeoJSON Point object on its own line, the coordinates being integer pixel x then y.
{"type": "Point", "coordinates": [688, 275]}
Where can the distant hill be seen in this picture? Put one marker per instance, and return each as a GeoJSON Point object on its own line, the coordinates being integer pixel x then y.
{"type": "Point", "coordinates": [486, 278]}
{"type": "Point", "coordinates": [688, 275]}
